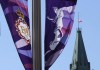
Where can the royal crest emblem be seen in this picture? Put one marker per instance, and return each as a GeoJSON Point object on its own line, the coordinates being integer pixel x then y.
{"type": "Point", "coordinates": [22, 28]}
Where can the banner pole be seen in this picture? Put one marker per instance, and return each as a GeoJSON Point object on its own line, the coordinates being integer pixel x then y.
{"type": "Point", "coordinates": [37, 35]}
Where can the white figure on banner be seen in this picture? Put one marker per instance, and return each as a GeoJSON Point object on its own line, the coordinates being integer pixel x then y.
{"type": "Point", "coordinates": [59, 24]}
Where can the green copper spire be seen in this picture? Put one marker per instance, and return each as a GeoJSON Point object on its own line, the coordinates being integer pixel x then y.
{"type": "Point", "coordinates": [79, 60]}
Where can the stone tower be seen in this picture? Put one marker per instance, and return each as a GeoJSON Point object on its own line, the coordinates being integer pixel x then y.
{"type": "Point", "coordinates": [79, 60]}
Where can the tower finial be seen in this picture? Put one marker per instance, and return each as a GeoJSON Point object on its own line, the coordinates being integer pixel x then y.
{"type": "Point", "coordinates": [79, 21]}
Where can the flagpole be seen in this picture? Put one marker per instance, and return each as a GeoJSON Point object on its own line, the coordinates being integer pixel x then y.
{"type": "Point", "coordinates": [37, 35]}
{"type": "Point", "coordinates": [78, 21]}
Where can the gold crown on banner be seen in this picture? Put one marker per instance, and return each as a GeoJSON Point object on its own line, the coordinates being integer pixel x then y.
{"type": "Point", "coordinates": [19, 13]}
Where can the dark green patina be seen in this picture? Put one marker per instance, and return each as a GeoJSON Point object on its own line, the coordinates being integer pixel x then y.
{"type": "Point", "coordinates": [79, 60]}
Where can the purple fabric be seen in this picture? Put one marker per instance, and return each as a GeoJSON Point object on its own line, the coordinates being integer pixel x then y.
{"type": "Point", "coordinates": [58, 25]}
{"type": "Point", "coordinates": [8, 10]}
{"type": "Point", "coordinates": [16, 13]}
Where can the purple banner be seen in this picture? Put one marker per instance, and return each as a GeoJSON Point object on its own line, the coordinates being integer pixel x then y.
{"type": "Point", "coordinates": [16, 13]}
{"type": "Point", "coordinates": [58, 26]}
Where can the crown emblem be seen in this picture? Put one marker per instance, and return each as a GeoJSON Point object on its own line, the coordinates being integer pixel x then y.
{"type": "Point", "coordinates": [19, 13]}
{"type": "Point", "coordinates": [21, 27]}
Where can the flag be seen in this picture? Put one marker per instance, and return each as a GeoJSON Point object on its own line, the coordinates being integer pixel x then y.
{"type": "Point", "coordinates": [16, 14]}
{"type": "Point", "coordinates": [79, 21]}
{"type": "Point", "coordinates": [58, 26]}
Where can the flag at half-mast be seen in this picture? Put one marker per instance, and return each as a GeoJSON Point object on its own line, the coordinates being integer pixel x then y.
{"type": "Point", "coordinates": [16, 14]}
{"type": "Point", "coordinates": [58, 26]}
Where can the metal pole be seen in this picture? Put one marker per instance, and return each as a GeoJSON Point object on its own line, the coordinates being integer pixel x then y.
{"type": "Point", "coordinates": [37, 35]}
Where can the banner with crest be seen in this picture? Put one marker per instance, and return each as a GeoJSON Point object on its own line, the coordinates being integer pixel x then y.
{"type": "Point", "coordinates": [16, 14]}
